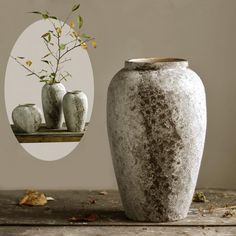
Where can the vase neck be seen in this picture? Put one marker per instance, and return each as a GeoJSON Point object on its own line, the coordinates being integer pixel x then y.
{"type": "Point", "coordinates": [155, 63]}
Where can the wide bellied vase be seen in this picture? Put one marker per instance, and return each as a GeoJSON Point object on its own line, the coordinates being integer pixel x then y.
{"type": "Point", "coordinates": [27, 118]}
{"type": "Point", "coordinates": [156, 120]}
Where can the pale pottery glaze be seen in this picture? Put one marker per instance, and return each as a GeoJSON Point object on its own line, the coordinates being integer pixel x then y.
{"type": "Point", "coordinates": [156, 120]}
{"type": "Point", "coordinates": [52, 96]}
{"type": "Point", "coordinates": [75, 107]}
{"type": "Point", "coordinates": [27, 118]}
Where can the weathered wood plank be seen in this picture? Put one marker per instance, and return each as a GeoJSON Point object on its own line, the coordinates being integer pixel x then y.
{"type": "Point", "coordinates": [108, 208]}
{"type": "Point", "coordinates": [49, 135]}
{"type": "Point", "coordinates": [118, 231]}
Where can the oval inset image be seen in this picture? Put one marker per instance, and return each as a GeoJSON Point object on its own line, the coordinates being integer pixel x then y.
{"type": "Point", "coordinates": [49, 90]}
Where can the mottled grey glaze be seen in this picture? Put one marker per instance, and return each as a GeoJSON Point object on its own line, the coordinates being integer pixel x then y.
{"type": "Point", "coordinates": [75, 107]}
{"type": "Point", "coordinates": [27, 118]}
{"type": "Point", "coordinates": [156, 118]}
{"type": "Point", "coordinates": [52, 96]}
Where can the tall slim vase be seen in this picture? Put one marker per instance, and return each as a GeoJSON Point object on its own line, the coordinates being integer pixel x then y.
{"type": "Point", "coordinates": [52, 95]}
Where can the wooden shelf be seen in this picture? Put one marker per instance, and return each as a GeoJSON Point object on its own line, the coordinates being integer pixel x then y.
{"type": "Point", "coordinates": [45, 135]}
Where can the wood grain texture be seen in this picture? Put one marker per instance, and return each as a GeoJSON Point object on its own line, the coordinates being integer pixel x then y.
{"type": "Point", "coordinates": [49, 135]}
{"type": "Point", "coordinates": [118, 231]}
{"type": "Point", "coordinates": [109, 210]}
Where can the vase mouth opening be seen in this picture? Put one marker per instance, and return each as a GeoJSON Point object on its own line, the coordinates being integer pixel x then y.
{"type": "Point", "coordinates": [155, 63]}
{"type": "Point", "coordinates": [74, 91]}
{"type": "Point", "coordinates": [27, 105]}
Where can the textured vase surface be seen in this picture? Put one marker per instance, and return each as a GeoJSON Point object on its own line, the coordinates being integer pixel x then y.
{"type": "Point", "coordinates": [156, 119]}
{"type": "Point", "coordinates": [52, 96]}
{"type": "Point", "coordinates": [75, 107]}
{"type": "Point", "coordinates": [27, 118]}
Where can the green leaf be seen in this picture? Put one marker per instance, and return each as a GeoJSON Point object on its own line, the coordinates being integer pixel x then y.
{"type": "Point", "coordinates": [21, 57]}
{"type": "Point", "coordinates": [85, 36]}
{"type": "Point", "coordinates": [53, 17]}
{"type": "Point", "coordinates": [43, 80]}
{"type": "Point", "coordinates": [30, 74]}
{"type": "Point", "coordinates": [75, 7]}
{"type": "Point", "coordinates": [36, 12]}
{"type": "Point", "coordinates": [45, 61]}
{"type": "Point", "coordinates": [80, 21]}
{"type": "Point", "coordinates": [62, 46]}
{"type": "Point", "coordinates": [47, 37]}
{"type": "Point", "coordinates": [45, 16]}
{"type": "Point", "coordinates": [42, 77]}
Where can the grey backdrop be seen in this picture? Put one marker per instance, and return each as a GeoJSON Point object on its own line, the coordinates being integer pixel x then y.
{"type": "Point", "coordinates": [202, 31]}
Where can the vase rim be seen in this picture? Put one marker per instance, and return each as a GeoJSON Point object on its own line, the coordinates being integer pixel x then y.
{"type": "Point", "coordinates": [155, 63]}
{"type": "Point", "coordinates": [27, 105]}
{"type": "Point", "coordinates": [74, 91]}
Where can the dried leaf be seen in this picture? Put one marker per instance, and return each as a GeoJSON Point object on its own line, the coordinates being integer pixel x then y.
{"type": "Point", "coordinates": [72, 24]}
{"type": "Point", "coordinates": [94, 44]}
{"type": "Point", "coordinates": [84, 45]}
{"type": "Point", "coordinates": [33, 198]}
{"type": "Point", "coordinates": [87, 218]}
{"type": "Point", "coordinates": [199, 197]}
{"type": "Point", "coordinates": [228, 214]}
{"type": "Point", "coordinates": [28, 62]}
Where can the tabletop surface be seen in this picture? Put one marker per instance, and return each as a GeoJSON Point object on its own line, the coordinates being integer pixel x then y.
{"type": "Point", "coordinates": [96, 213]}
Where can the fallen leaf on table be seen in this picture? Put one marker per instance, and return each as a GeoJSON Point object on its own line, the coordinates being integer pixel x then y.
{"type": "Point", "coordinates": [92, 201]}
{"type": "Point", "coordinates": [199, 197]}
{"type": "Point", "coordinates": [103, 193]}
{"type": "Point", "coordinates": [86, 218]}
{"type": "Point", "coordinates": [228, 214]}
{"type": "Point", "coordinates": [33, 198]}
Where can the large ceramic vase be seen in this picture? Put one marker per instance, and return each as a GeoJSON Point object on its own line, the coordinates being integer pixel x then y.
{"type": "Point", "coordinates": [52, 95]}
{"type": "Point", "coordinates": [27, 118]}
{"type": "Point", "coordinates": [75, 107]}
{"type": "Point", "coordinates": [156, 118]}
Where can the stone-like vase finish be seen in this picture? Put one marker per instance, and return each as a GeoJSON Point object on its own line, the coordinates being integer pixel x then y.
{"type": "Point", "coordinates": [27, 118]}
{"type": "Point", "coordinates": [156, 118]}
{"type": "Point", "coordinates": [52, 96]}
{"type": "Point", "coordinates": [75, 107]}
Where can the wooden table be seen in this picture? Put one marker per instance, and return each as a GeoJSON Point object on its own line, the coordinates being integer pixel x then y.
{"type": "Point", "coordinates": [44, 135]}
{"type": "Point", "coordinates": [53, 218]}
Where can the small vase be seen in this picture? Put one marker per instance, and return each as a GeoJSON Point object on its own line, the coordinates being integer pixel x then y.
{"type": "Point", "coordinates": [52, 95]}
{"type": "Point", "coordinates": [27, 118]}
{"type": "Point", "coordinates": [156, 118]}
{"type": "Point", "coordinates": [75, 107]}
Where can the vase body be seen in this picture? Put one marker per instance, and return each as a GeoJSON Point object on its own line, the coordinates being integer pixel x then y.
{"type": "Point", "coordinates": [75, 107]}
{"type": "Point", "coordinates": [27, 118]}
{"type": "Point", "coordinates": [156, 120]}
{"type": "Point", "coordinates": [52, 96]}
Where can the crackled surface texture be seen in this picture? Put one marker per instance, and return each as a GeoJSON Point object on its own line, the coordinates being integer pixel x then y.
{"type": "Point", "coordinates": [75, 108]}
{"type": "Point", "coordinates": [52, 96]}
{"type": "Point", "coordinates": [156, 116]}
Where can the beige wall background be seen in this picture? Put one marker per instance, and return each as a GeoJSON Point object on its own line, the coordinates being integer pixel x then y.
{"type": "Point", "coordinates": [203, 31]}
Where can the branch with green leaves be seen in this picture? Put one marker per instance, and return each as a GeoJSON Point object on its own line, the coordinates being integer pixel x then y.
{"type": "Point", "coordinates": [58, 43]}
